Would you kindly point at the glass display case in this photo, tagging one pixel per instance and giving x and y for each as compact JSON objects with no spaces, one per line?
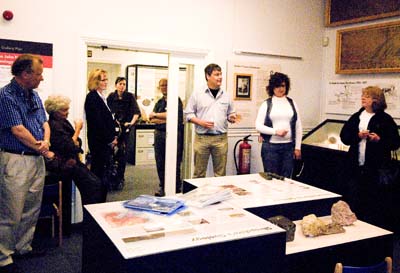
{"x":326,"y":135}
{"x":324,"y":157}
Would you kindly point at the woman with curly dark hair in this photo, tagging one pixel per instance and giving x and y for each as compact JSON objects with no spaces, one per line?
{"x":279,"y":123}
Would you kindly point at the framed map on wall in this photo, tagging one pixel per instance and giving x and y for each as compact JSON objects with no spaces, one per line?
{"x":340,"y":12}
{"x":368,"y":49}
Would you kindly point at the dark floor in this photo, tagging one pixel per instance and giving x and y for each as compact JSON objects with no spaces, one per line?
{"x":67,"y":258}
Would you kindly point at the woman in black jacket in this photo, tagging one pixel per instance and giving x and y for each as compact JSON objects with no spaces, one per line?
{"x":126,"y":112}
{"x":372,"y":134}
{"x":101,"y":134}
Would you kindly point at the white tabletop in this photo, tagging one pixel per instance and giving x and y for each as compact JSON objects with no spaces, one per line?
{"x":252,"y":190}
{"x":359,"y":230}
{"x":136,"y":233}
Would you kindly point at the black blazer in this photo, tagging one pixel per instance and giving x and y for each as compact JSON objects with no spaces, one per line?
{"x":100,"y":122}
{"x":375,"y":152}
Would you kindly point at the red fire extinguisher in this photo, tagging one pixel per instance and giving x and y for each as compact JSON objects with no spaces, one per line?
{"x":244,"y":155}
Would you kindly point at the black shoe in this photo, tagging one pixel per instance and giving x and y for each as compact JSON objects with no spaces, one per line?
{"x":160,"y":193}
{"x":34,"y":253}
{"x":10,"y":268}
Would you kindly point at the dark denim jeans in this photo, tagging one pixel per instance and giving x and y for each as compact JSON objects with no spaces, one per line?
{"x":278,"y":158}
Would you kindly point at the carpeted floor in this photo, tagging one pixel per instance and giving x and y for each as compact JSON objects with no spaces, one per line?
{"x":67,"y":258}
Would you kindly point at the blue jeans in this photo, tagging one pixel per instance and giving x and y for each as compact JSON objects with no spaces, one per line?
{"x":278,"y":158}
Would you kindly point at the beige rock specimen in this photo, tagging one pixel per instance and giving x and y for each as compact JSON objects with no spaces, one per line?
{"x":342,"y":214}
{"x":313,"y":226}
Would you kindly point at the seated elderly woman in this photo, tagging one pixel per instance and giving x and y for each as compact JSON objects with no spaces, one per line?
{"x":65,"y":143}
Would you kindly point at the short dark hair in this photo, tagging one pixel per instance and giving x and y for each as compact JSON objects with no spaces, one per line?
{"x":210,"y":68}
{"x":24,"y":63}
{"x":276,"y":79}
{"x":119,"y":79}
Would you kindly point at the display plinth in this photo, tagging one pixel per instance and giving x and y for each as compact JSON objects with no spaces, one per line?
{"x":268,"y":198}
{"x":219,"y":238}
{"x":362,"y":244}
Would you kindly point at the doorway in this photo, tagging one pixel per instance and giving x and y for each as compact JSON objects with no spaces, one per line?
{"x":191,"y":62}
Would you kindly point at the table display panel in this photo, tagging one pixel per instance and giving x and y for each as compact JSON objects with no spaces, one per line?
{"x":267,"y":198}
{"x":361,"y":244}
{"x":143,"y":238}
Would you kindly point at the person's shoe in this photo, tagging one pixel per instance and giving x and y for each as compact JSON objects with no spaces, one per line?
{"x":34,"y":253}
{"x":10,"y":268}
{"x":160,"y":193}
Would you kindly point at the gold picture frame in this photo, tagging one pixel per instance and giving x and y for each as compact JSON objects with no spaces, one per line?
{"x":368,"y":49}
{"x":242,"y":86}
{"x":341,"y":12}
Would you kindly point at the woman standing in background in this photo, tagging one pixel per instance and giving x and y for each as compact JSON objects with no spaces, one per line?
{"x":126,"y":112}
{"x":279,"y":123}
{"x":101,"y":134}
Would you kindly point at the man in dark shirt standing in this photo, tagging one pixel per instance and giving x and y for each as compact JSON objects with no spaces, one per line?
{"x":159,"y":117}
{"x":24,"y":140}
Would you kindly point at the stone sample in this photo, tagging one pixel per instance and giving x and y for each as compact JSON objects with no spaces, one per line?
{"x":313,"y":226}
{"x":342,"y":214}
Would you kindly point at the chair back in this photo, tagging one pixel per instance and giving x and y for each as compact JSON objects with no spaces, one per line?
{"x":52,"y":205}
{"x":382,"y":267}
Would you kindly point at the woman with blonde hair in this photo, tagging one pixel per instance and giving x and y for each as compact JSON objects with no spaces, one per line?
{"x":372,"y":134}
{"x":101,"y":133}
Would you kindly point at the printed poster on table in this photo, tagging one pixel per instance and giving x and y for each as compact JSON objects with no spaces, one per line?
{"x":344,"y":97}
{"x":11,"y":49}
{"x":247,"y":82}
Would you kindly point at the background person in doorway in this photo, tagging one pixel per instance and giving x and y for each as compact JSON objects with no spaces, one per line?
{"x":279,"y":123}
{"x":159,"y":117}
{"x":126,"y":112}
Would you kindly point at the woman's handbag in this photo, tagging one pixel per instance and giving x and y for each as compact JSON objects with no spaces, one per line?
{"x":389,"y":173}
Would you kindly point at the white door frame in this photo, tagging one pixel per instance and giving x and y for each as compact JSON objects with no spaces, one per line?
{"x":177,"y":55}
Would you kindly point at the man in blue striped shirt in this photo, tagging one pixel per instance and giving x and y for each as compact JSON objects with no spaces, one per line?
{"x":24,"y":141}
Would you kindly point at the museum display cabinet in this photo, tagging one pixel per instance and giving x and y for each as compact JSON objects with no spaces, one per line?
{"x":324,"y":157}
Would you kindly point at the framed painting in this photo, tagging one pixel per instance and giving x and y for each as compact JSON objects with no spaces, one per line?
{"x":242,"y":86}
{"x":368,"y":49}
{"x":340,"y":12}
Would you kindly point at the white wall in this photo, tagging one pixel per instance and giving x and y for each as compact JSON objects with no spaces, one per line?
{"x":288,"y":27}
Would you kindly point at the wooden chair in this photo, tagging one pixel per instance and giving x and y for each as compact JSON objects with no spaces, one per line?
{"x":52,"y":207}
{"x":382,"y":267}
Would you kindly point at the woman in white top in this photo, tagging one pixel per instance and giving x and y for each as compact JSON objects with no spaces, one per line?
{"x":279,"y":123}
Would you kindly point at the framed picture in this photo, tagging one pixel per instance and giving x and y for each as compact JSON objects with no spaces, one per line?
{"x":368,"y":49}
{"x":242,"y":86}
{"x":340,"y":12}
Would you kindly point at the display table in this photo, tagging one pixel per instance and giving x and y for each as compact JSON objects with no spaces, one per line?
{"x":362,"y":244}
{"x":267,"y":198}
{"x":218,"y":238}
